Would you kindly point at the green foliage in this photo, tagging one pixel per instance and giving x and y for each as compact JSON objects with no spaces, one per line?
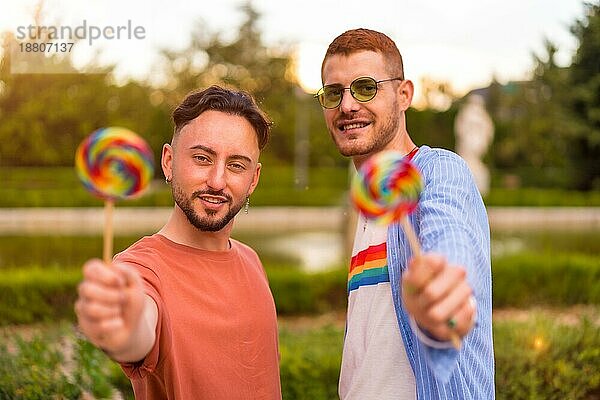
{"x":34,"y":372}
{"x":54,"y":252}
{"x":310,"y":363}
{"x":33,"y":295}
{"x":433,"y":128}
{"x":538,"y":197}
{"x":60,"y":187}
{"x":546,"y":243}
{"x":95,"y":373}
{"x":540,"y":359}
{"x":548,"y":129}
{"x":297,"y":292}
{"x":43,"y":122}
{"x":245,"y":62}
{"x":526,"y":279}
{"x":37,"y":368}
{"x":327,"y":186}
{"x":584,"y":101}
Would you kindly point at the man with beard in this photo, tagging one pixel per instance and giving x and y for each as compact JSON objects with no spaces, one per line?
{"x":404,"y":311}
{"x":188,"y":312}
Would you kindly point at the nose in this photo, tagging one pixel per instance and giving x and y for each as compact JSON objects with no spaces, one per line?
{"x":216,"y":177}
{"x":348,"y":103}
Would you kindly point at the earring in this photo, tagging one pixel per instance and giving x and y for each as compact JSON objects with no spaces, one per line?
{"x":247,"y":205}
{"x":168,"y":179}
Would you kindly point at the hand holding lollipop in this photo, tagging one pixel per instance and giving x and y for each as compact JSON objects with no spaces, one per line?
{"x":386,"y":189}
{"x":114,"y":163}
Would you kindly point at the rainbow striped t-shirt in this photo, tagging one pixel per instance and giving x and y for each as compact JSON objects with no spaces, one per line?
{"x":374,"y":361}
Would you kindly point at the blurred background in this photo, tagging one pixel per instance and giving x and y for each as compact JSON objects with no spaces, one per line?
{"x":514,"y":87}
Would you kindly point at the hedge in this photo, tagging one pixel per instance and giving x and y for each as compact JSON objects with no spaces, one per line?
{"x":59,"y":187}
{"x":521,"y":280}
{"x":528,"y":279}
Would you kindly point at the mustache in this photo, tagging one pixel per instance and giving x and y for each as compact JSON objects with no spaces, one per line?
{"x":210,"y":192}
{"x":343,"y":117}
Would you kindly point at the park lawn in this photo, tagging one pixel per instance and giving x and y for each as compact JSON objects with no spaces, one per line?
{"x":541,"y":353}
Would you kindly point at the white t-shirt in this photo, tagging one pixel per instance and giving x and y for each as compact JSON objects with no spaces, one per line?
{"x":374,"y":361}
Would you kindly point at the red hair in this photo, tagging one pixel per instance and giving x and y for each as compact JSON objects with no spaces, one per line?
{"x":361,"y":39}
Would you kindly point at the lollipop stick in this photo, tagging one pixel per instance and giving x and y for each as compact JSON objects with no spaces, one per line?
{"x":416,"y":249}
{"x":412,"y":237}
{"x":108,"y":231}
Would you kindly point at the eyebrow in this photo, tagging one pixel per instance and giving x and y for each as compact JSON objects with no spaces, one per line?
{"x":214,"y":153}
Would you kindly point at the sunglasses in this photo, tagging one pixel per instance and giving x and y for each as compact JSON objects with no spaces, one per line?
{"x":362,"y":89}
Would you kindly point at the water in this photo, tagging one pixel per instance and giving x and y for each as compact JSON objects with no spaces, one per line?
{"x":310,"y":250}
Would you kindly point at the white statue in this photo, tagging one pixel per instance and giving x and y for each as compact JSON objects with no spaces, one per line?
{"x":474,"y":131}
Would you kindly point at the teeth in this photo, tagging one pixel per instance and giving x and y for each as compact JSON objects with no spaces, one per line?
{"x":354,"y":126}
{"x":213,"y":201}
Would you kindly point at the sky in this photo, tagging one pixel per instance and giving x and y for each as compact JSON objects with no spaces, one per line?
{"x":463,"y":42}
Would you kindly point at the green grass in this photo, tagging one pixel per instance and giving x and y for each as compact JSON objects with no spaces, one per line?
{"x":540,"y":357}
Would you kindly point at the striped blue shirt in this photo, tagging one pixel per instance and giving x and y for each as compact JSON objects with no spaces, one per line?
{"x":451,"y":220}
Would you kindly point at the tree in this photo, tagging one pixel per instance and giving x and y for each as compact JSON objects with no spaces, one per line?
{"x":584,"y":102}
{"x":245,"y":62}
{"x":46,"y":115}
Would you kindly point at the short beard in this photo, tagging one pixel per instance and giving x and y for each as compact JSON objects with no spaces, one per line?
{"x":206,"y":224}
{"x":380,"y":139}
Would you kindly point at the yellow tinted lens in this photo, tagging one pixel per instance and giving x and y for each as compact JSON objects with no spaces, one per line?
{"x":364,"y":89}
{"x":331,"y":96}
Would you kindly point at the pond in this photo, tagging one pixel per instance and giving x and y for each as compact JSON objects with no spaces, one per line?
{"x":311,"y":250}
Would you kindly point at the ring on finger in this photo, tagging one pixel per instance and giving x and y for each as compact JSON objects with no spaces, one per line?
{"x":451,"y":323}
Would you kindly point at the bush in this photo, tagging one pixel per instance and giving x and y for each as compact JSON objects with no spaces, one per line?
{"x":34,"y":295}
{"x":540,"y":359}
{"x":310,"y":363}
{"x":537,"y":197}
{"x":535,"y":359}
{"x":527,"y":279}
{"x":34,"y":372}
{"x":520,"y":280}
{"x":60,"y":187}
{"x":297,"y":292}
{"x":37,"y":369}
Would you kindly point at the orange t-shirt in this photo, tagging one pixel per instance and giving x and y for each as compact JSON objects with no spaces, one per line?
{"x":217,"y":326}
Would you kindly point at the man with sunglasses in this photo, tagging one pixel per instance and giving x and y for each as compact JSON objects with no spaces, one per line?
{"x":403,"y":311}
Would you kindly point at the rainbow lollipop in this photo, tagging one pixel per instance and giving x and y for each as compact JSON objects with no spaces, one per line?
{"x":387,"y":187}
{"x":114,"y":163}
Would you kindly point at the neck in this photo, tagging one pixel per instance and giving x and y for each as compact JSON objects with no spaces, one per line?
{"x":179,"y":230}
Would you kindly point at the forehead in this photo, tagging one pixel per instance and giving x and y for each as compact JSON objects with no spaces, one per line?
{"x":344,"y":69}
{"x":222,"y":132}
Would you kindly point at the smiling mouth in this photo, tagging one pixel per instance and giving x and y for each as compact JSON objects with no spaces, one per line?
{"x":355,"y":125}
{"x":213,"y":199}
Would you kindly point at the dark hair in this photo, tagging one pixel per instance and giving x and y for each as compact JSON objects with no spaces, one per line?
{"x":361,"y":39}
{"x":229,"y":101}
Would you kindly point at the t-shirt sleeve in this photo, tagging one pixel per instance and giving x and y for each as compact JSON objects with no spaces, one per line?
{"x":151,"y":282}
